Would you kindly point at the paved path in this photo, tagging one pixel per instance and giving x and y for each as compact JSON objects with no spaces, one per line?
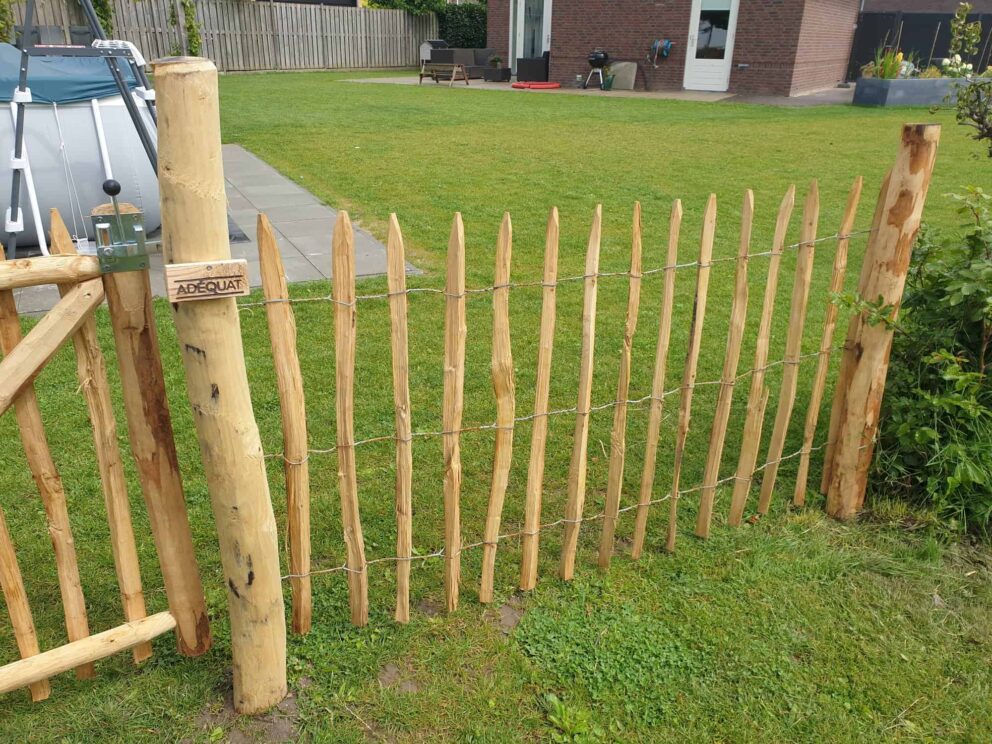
{"x":827,"y":97}
{"x":302,"y":223}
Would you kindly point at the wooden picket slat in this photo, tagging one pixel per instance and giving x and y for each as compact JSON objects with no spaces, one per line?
{"x":691,"y":363}
{"x":759,"y":394}
{"x":46,"y":476}
{"x":455,"y":331}
{"x":92,"y":372}
{"x":728,"y":378}
{"x":618,"y":437}
{"x":18,"y":609}
{"x":27,"y":355}
{"x":793,"y":345}
{"x":530,"y":540}
{"x":657,"y":406}
{"x":577,"y":468}
{"x":293,"y":414}
{"x":396,"y":277}
{"x":826,"y":342}
{"x":503,"y":387}
{"x":343,"y":281}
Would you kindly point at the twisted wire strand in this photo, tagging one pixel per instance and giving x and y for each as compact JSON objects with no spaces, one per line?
{"x":557,"y":523}
{"x":538,"y":283}
{"x":636,"y":402}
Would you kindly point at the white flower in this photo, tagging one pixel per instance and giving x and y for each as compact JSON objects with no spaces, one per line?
{"x":969,"y":66}
{"x":945,"y":62}
{"x":957,"y":59}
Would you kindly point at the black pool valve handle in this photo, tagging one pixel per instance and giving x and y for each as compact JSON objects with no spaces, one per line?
{"x":111,"y":187}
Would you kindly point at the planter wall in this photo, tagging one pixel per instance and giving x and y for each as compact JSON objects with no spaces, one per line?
{"x":909,"y":92}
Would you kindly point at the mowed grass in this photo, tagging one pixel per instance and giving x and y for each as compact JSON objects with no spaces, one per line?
{"x":794,"y":628}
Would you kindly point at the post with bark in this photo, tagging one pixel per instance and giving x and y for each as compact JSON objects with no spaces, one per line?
{"x":858,"y":400}
{"x":194,"y":229}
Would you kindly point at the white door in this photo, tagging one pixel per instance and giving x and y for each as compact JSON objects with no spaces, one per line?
{"x":712,"y":26}
{"x":530,"y":29}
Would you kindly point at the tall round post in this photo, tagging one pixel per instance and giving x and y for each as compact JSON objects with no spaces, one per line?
{"x":858,"y":399}
{"x":194,"y":231}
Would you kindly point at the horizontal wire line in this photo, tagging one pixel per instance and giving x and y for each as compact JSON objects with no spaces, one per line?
{"x":523,"y":285}
{"x":548,"y":414}
{"x":549,"y":525}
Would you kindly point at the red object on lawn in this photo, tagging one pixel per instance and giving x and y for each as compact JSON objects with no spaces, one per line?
{"x":536,"y":86}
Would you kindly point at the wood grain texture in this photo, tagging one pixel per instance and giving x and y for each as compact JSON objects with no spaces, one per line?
{"x":530,"y":540}
{"x":345,"y":319}
{"x":293,"y":415}
{"x":657,"y":406}
{"x":691,"y":363}
{"x":194,"y":228}
{"x":31,"y":272}
{"x":793,"y":345}
{"x":505,"y":392}
{"x":153,"y":447}
{"x":826,"y":342}
{"x":455,"y":331}
{"x":18,"y":608}
{"x":83,"y":652}
{"x":396,"y":278}
{"x":848,"y":357}
{"x":728,"y":377}
{"x":46,"y":477}
{"x":618,"y":435}
{"x":886,"y":265}
{"x":24,"y":360}
{"x":207,"y":280}
{"x":91,"y":369}
{"x":758,"y":395}
{"x":577,"y":468}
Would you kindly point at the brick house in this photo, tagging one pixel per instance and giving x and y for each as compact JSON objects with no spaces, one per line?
{"x":778,"y":47}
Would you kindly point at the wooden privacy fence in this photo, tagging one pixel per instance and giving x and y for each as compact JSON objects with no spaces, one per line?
{"x":251,"y":35}
{"x":209,"y":335}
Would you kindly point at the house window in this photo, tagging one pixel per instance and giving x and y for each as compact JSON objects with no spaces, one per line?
{"x":714,"y":25}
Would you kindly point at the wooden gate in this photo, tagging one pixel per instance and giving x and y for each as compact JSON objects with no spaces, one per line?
{"x":128,"y":296}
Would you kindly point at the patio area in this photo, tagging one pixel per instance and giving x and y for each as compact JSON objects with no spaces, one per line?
{"x":827,"y":97}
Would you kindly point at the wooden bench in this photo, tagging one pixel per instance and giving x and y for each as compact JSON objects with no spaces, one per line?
{"x":435,"y":70}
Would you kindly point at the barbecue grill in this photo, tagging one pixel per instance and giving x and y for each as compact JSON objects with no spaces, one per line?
{"x":598,"y":59}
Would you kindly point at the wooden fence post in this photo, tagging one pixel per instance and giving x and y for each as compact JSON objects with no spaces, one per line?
{"x":859,"y":401}
{"x":92,"y":371}
{"x":345,"y":316}
{"x":618,"y":438}
{"x":505,"y":391}
{"x":658,"y":382}
{"x":530,"y":541}
{"x":399,"y":341}
{"x":455,"y":331}
{"x":293,"y":413}
{"x":194,"y":228}
{"x":580,"y":442}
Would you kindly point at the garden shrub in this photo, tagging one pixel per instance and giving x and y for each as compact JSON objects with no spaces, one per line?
{"x":935,"y":437}
{"x":463,"y":26}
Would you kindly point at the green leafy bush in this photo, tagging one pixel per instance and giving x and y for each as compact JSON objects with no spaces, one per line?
{"x":935,"y":439}
{"x":417,"y":7}
{"x":463,"y":26}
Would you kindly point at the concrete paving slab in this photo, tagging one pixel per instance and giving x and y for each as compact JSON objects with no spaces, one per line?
{"x":302,"y":223}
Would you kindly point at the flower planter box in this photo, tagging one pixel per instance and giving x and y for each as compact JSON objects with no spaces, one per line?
{"x":496,"y":75}
{"x":907,"y":92}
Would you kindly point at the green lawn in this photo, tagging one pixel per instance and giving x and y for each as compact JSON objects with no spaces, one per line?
{"x":796,"y":628}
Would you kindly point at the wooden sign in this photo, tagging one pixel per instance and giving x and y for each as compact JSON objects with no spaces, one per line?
{"x":206,"y":280}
